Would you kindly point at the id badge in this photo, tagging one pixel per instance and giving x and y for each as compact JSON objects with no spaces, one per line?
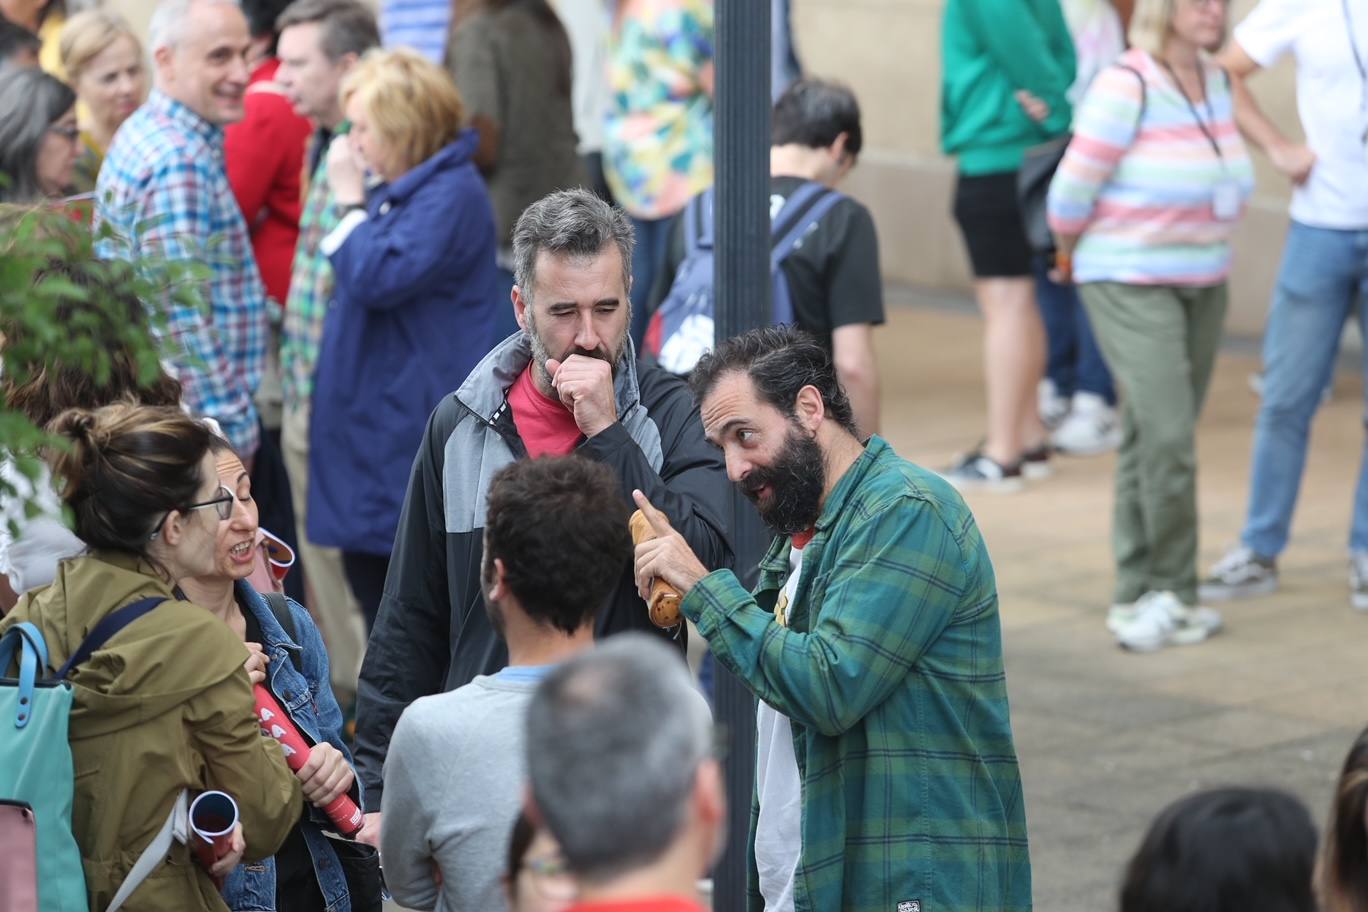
{"x":1225,"y":200}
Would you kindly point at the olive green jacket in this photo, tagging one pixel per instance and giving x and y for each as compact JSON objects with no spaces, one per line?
{"x":165,"y":705}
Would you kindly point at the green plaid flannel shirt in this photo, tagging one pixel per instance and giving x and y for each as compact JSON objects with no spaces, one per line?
{"x":311,"y":287}
{"x":891,"y":673}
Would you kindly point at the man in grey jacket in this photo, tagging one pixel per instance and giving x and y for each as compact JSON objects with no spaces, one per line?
{"x":569,"y":383}
{"x":556,"y":541}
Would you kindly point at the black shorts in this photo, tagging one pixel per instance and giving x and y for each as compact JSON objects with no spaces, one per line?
{"x":989,"y":217}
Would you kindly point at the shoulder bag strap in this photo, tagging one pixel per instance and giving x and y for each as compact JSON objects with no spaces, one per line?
{"x":281,"y":609}
{"x":110,"y":625}
{"x":175,"y":829}
{"x":33,"y":657}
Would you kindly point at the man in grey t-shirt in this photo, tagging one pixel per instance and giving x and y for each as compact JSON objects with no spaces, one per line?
{"x":556,"y":540}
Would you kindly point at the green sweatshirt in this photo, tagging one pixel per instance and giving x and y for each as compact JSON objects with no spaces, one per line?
{"x":990,"y":49}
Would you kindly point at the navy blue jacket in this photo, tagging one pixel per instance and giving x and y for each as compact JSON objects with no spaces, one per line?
{"x":412,"y":313}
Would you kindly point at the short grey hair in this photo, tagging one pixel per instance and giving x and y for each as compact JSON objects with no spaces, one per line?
{"x":569,"y":223}
{"x":167,"y":26}
{"x":614,"y":737}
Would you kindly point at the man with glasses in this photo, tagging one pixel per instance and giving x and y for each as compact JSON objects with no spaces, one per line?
{"x":1324,"y":272}
{"x":623,"y":774}
{"x":555,"y":542}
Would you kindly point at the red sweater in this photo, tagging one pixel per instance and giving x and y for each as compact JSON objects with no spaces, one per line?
{"x":264,"y":157}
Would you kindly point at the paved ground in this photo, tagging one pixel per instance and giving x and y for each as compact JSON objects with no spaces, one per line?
{"x":1106,"y":739}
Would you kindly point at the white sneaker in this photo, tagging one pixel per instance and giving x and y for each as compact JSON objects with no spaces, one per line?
{"x":1091,"y":428}
{"x":1240,"y":574}
{"x":1161,"y":620}
{"x":1122,"y":614}
{"x":1358,"y":580}
{"x":1054,"y":408}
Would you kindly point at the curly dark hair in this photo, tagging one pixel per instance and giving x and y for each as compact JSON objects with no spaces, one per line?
{"x":559,"y":524}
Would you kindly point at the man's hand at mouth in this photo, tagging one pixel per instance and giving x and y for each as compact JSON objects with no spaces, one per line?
{"x":585,"y":387}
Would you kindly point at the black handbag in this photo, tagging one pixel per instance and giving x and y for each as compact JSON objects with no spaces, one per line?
{"x":1033,"y":191}
{"x":361,"y":866}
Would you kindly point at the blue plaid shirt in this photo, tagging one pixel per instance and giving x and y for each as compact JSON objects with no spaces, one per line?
{"x":163,"y":190}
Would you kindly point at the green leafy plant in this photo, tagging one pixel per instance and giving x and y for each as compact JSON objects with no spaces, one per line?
{"x":49,"y":320}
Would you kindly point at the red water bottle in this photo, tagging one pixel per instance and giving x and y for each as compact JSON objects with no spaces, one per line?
{"x":342,"y":811}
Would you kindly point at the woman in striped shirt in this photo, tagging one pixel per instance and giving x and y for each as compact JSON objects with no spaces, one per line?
{"x":1143,"y":207}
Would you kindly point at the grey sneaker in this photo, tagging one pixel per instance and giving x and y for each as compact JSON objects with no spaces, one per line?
{"x":1161,"y":620}
{"x":1358,"y":580}
{"x":1239,"y":574}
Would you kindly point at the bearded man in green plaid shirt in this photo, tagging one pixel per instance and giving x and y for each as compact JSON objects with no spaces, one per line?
{"x":886,"y":776}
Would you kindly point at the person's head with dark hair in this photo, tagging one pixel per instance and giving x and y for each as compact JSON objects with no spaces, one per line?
{"x":555,"y":541}
{"x":621,"y":769}
{"x":320,"y":42}
{"x":816,"y":132}
{"x":1344,"y":861}
{"x":536,"y":879}
{"x":261,"y":24}
{"x":19,"y":47}
{"x":39,"y":139}
{"x":572,"y":256}
{"x":1225,"y":850}
{"x":771,"y":400}
{"x":110,"y":325}
{"x":140,"y":480}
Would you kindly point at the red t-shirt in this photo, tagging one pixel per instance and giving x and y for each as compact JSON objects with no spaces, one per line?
{"x":264,"y":160}
{"x":544,"y":424}
{"x":651,"y":904}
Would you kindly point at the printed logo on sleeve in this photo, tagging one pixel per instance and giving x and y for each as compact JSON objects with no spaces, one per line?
{"x":910,"y":905}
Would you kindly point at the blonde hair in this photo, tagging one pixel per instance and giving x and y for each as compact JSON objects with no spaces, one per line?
{"x":1152,"y":23}
{"x":86,"y":35}
{"x":411,"y":102}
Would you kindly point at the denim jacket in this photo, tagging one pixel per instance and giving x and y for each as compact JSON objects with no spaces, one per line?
{"x":309,"y":701}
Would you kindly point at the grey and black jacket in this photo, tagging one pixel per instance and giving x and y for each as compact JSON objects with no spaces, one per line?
{"x":432,"y":633}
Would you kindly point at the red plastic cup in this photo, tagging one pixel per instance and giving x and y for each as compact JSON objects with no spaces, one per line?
{"x":213,"y":816}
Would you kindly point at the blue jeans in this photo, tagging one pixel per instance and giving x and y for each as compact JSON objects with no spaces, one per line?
{"x":652,"y":242}
{"x":1322,"y":281}
{"x":1075,"y":363}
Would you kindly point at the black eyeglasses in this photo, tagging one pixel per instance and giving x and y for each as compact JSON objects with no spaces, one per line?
{"x":69,"y":132}
{"x":223,"y":504}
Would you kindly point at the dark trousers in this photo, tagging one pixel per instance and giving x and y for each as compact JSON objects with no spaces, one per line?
{"x":366,"y":575}
{"x":1075,"y":362}
{"x":275,"y":506}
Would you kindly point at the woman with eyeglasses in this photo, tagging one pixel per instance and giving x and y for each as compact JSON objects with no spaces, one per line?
{"x":165,"y":706}
{"x":39,"y":139}
{"x":310,"y":872}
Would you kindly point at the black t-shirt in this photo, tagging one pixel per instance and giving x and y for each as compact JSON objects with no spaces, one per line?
{"x":296,"y":883}
{"x":833,"y":274}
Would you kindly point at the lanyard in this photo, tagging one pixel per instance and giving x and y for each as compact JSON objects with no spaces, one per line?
{"x":1211,"y":115}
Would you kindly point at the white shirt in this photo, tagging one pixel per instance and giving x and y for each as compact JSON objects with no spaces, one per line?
{"x":778,"y":832}
{"x":30,"y":560}
{"x":1331,"y":99}
{"x":588,"y":24}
